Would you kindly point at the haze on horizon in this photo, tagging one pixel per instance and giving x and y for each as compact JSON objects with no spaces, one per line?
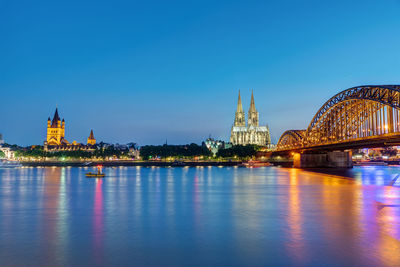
{"x":147,"y":71}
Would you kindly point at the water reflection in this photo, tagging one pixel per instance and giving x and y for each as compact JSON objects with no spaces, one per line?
{"x":199,"y":216}
{"x":51,"y":215}
{"x":62,"y":216}
{"x":353,"y":216}
{"x":98,"y":227}
{"x":297,"y":243}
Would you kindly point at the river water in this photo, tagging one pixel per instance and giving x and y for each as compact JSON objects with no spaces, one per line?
{"x":204,"y":216}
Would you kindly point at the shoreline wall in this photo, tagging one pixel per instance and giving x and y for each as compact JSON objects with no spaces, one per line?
{"x":129,"y":163}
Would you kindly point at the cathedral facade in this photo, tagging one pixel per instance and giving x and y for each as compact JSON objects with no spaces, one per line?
{"x":251,"y":133}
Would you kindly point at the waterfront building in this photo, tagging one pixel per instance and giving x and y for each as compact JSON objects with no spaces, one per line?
{"x":251,"y":133}
{"x":55,"y":140}
{"x":8,"y":153}
{"x":56,"y":131}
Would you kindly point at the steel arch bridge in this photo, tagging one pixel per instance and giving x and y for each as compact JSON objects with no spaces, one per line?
{"x":362,"y":116}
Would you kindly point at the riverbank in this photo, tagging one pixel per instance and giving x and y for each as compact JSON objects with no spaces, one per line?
{"x":117,"y":163}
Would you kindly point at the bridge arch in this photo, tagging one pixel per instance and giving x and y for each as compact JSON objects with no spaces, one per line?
{"x":357,"y":112}
{"x":291,"y":138}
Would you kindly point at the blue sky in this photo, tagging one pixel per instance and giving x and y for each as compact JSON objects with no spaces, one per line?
{"x":147,"y":71}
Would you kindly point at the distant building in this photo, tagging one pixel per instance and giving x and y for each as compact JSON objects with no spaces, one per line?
{"x":134,"y":152}
{"x":214,"y":145}
{"x":91,"y":140}
{"x":9,"y":154}
{"x":55,"y":140}
{"x":1,"y":139}
{"x":252,"y":133}
{"x":121,"y":147}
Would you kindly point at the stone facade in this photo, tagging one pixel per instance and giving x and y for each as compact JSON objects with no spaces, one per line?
{"x":56,"y":131}
{"x":55,"y":140}
{"x":252,"y":133}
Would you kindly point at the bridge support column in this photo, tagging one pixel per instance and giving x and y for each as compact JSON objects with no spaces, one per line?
{"x":334,"y":159}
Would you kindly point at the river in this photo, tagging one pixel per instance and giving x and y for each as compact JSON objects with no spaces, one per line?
{"x":200,"y":216}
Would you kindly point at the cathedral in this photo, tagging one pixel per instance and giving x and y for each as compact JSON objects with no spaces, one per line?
{"x":252,"y":133}
{"x":56,"y":136}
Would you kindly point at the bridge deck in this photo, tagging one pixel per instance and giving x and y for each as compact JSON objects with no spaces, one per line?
{"x":392,"y":139}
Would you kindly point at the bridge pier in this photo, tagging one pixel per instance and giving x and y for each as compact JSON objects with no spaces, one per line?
{"x":334,"y":159}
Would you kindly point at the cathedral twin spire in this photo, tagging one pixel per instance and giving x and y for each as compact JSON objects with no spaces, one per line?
{"x":239,"y":115}
{"x":252,"y":119}
{"x":252,"y":133}
{"x":252,"y":105}
{"x":239,"y":105}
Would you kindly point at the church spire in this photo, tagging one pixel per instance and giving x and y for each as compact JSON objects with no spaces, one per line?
{"x":56,"y":119}
{"x":252,"y":119}
{"x":239,"y":115}
{"x":91,"y":140}
{"x":239,"y":104}
{"x":252,"y":105}
{"x":91,"y":136}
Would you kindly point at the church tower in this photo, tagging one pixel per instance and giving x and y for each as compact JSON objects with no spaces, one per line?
{"x":91,"y":140}
{"x":252,"y":119}
{"x":239,"y":115}
{"x":55,"y":130}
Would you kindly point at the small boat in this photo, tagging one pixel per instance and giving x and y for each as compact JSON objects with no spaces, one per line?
{"x":94,"y":174}
{"x":97,"y":174}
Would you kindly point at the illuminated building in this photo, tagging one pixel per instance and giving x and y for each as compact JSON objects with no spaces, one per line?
{"x":8,"y":153}
{"x":55,"y":140}
{"x":91,"y":140}
{"x":56,"y":131}
{"x":213,"y":145}
{"x":252,"y":133}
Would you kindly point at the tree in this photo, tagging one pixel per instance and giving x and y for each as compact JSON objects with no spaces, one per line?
{"x":2,"y":155}
{"x":238,"y":151}
{"x":179,"y":151}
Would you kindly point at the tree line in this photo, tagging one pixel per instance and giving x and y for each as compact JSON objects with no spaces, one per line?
{"x":194,"y":150}
{"x":176,"y":151}
{"x":147,"y":152}
{"x":39,"y":152}
{"x":239,"y":151}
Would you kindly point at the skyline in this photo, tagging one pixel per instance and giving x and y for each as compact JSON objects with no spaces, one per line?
{"x":149,"y":72}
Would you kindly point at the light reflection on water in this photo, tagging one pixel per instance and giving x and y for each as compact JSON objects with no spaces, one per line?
{"x":199,"y":216}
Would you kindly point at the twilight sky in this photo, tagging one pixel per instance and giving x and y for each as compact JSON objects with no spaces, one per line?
{"x":147,"y":71}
